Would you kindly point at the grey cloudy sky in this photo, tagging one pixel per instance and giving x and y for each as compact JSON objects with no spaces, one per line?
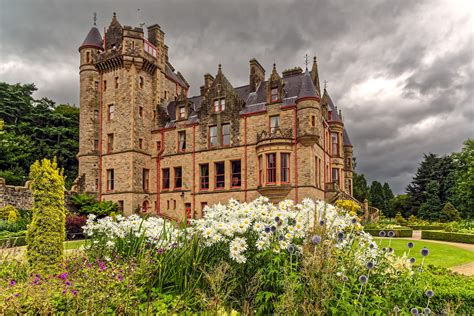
{"x":401,"y":71}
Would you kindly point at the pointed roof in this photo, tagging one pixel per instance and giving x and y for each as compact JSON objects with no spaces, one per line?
{"x":315,"y":75}
{"x":345,"y":138}
{"x":334,"y":114}
{"x":307,"y":87}
{"x":93,"y":39}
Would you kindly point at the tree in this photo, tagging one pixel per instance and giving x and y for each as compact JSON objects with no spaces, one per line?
{"x":360,"y":189}
{"x":376,"y":195}
{"x":400,"y":204}
{"x":431,"y":207}
{"x":449,"y":213}
{"x":46,"y":234}
{"x":463,"y":193}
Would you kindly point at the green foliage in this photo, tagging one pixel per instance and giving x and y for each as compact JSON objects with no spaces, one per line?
{"x":360,"y":189}
{"x":33,"y":129}
{"x":463,"y":196}
{"x":7,"y":210}
{"x":12,"y":239}
{"x":376,"y":195}
{"x":400,"y":203}
{"x":87,"y":204}
{"x":466,"y":226}
{"x":431,"y":206}
{"x":47,"y":230}
{"x":449,"y":213}
{"x":448,"y":236}
{"x":400,"y":219}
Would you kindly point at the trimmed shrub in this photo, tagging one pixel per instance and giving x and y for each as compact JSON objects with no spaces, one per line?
{"x":400,"y":219}
{"x":74,"y":225}
{"x":449,"y":213}
{"x":406,"y":232}
{"x":45,"y":235}
{"x":448,"y":236}
{"x":9,"y":239}
{"x":9,"y":212}
{"x":426,"y":227}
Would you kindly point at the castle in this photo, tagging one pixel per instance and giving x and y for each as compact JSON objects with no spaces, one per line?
{"x":147,"y":145}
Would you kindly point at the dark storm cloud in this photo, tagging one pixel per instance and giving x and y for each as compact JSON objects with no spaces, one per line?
{"x":401,"y":71}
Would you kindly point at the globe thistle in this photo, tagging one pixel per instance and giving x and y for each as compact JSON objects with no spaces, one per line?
{"x":427,"y":311}
{"x":425,"y":252}
{"x":371,"y":246}
{"x":273,"y":228}
{"x":291,"y":248}
{"x":340,"y":235}
{"x":412,"y":260}
{"x":414,"y":311}
{"x":322,"y":222}
{"x":281,"y":237}
{"x":429,"y":293}
{"x":267,"y":229}
{"x":354,"y":220}
{"x":363,"y":279}
{"x":410,"y":245}
{"x":396,"y":309}
{"x":382,"y":233}
{"x":390,"y":250}
{"x":391,"y":234}
{"x":370,"y":265}
{"x":384,"y":249}
{"x":277,"y":219}
{"x":316,"y":239}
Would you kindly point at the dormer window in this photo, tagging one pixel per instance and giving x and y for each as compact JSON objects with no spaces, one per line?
{"x":274,"y":94}
{"x":219,"y":105}
{"x":182,"y":112}
{"x":274,"y":123}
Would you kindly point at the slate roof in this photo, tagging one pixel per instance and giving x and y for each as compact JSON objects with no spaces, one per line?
{"x":345,"y":138}
{"x":307,"y":87}
{"x":169,"y":71}
{"x":334,"y":114}
{"x":93,"y":39}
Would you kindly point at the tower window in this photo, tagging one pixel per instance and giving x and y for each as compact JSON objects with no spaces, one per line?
{"x":313,"y":121}
{"x":335,"y":144}
{"x":236,"y":174}
{"x":182,"y":141}
{"x":88,"y":57}
{"x":166,"y":179}
{"x":116,"y":82}
{"x":274,"y":94}
{"x":285,"y":168}
{"x":141,"y":82}
{"x":220,"y":175}
{"x":212,"y":136}
{"x":204,"y":176}
{"x":274,"y":123}
{"x":110,"y":143}
{"x":140,"y":111}
{"x":225,"y":134}
{"x":105,"y":85}
{"x":271,"y":168}
{"x":110,"y":179}
{"x":96,"y":144}
{"x":146,"y":179}
{"x":140,"y":143}
{"x":110,"y":112}
{"x":178,"y":177}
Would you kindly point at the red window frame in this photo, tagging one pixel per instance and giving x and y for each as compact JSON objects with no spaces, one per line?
{"x":165,"y":182}
{"x":110,"y":180}
{"x":146,"y":180}
{"x":219,"y":177}
{"x":236,"y":175}
{"x":179,"y":141}
{"x":211,"y":137}
{"x":203,"y":178}
{"x":110,"y":143}
{"x":334,"y":144}
{"x":110,"y":112}
{"x":223,"y":134}
{"x":274,"y":128}
{"x":219,"y":105}
{"x":260,"y":171}
{"x":178,"y":176}
{"x":274,"y":96}
{"x":182,"y":112}
{"x":285,"y":169}
{"x":271,"y":169}
{"x":158,"y":146}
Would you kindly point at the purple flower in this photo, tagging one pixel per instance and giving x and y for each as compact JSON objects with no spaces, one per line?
{"x":74,"y":292}
{"x":120,"y":278}
{"x":316,"y":239}
{"x":277,"y":219}
{"x":414,"y":311}
{"x":384,"y":249}
{"x":67,"y":283}
{"x":340,"y":235}
{"x":63,"y":275}
{"x":273,"y":228}
{"x":354,"y":220}
{"x":410,"y":245}
{"x":370,"y":265}
{"x":281,"y":237}
{"x":63,"y":292}
{"x":412,"y":260}
{"x":429,"y":293}
{"x":391,"y":234}
{"x":267,"y":229}
{"x":291,"y":248}
{"x":363,"y":279}
{"x":427,"y":311}
{"x":382,"y":233}
{"x":160,"y":251}
{"x":17,"y":294}
{"x":371,"y":246}
{"x":425,"y":252}
{"x":390,"y":249}
{"x":322,"y":222}
{"x":12,"y":282}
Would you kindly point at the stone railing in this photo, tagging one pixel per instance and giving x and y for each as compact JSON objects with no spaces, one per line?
{"x":277,"y":133}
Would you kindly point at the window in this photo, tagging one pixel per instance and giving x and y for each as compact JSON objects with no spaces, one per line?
{"x":220,"y":175}
{"x":285,"y":167}
{"x":212,"y":136}
{"x":140,"y":111}
{"x":168,"y":204}
{"x":96,"y":85}
{"x":271,"y":168}
{"x":166,"y":179}
{"x":260,"y":171}
{"x":96,"y":145}
{"x":274,"y":94}
{"x":96,"y":115}
{"x":110,"y":179}
{"x":182,"y":141}
{"x":203,"y":206}
{"x":178,"y":177}
{"x":154,"y":114}
{"x":88,"y":57}
{"x":182,"y":112}
{"x":204,"y":177}
{"x":146,"y":179}
{"x":158,"y":146}
{"x":110,"y":112}
{"x":96,"y":184}
{"x":236,"y":174}
{"x":313,"y":121}
{"x":274,"y":123}
{"x":120,"y":203}
{"x":166,"y":94}
{"x":174,"y":204}
{"x":141,"y":82}
{"x":225,"y":134}
{"x":105,"y":85}
{"x":335,"y":144}
{"x":335,"y":175}
{"x":116,"y":82}
{"x":140,"y":143}
{"x":317,"y":171}
{"x":110,"y":143}
{"x":219,"y":105}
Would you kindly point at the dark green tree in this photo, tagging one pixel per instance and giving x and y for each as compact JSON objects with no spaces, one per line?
{"x":360,"y":189}
{"x":431,"y":207}
{"x":449,"y":213}
{"x":401,"y":203}
{"x":463,"y":192}
{"x":376,"y":196}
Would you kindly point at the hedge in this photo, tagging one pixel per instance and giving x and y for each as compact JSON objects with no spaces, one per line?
{"x":447,"y":236}
{"x":426,"y":227}
{"x":398,"y":232}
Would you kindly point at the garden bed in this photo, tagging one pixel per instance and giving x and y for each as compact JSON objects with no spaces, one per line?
{"x":426,"y":227}
{"x":448,"y":236}
{"x":398,"y":232}
{"x":12,"y":240}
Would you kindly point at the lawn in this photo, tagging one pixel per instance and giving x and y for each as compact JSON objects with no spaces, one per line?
{"x":73,"y":244}
{"x":440,"y":255}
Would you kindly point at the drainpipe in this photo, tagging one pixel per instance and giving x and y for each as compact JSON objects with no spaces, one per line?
{"x":296,"y":155}
{"x":245,"y":156}
{"x":194,"y":170}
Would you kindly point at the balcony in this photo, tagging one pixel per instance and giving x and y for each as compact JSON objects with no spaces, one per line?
{"x":279,"y":137}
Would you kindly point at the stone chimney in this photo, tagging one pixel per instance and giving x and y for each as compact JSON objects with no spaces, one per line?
{"x":257,"y":74}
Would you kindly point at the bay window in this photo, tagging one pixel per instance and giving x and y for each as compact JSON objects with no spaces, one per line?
{"x":204,"y":177}
{"x":271,"y":168}
{"x":285,"y":168}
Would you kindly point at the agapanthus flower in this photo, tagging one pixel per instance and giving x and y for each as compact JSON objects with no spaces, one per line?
{"x":429,"y":293}
{"x":425,"y":252}
{"x":363,"y":279}
{"x":410,"y":245}
{"x":382,"y":233}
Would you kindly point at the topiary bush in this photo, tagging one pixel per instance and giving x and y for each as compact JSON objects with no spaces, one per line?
{"x":448,"y":236}
{"x":45,"y":235}
{"x":9,"y":212}
{"x":449,"y":213}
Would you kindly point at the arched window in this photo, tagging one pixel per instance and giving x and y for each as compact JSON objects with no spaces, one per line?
{"x":88,"y":57}
{"x":145,"y":206}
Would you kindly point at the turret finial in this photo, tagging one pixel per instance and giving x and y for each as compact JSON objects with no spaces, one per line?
{"x":325,"y":84}
{"x":95,"y":18}
{"x":306,"y":61}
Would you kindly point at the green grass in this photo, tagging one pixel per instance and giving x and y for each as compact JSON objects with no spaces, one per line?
{"x":73,"y":244}
{"x":440,"y":255}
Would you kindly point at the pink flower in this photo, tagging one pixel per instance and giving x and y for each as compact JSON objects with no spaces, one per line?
{"x":12,"y":282}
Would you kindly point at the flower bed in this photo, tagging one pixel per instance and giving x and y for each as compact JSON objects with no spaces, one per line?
{"x":12,"y":239}
{"x":398,"y":232}
{"x":448,"y":236}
